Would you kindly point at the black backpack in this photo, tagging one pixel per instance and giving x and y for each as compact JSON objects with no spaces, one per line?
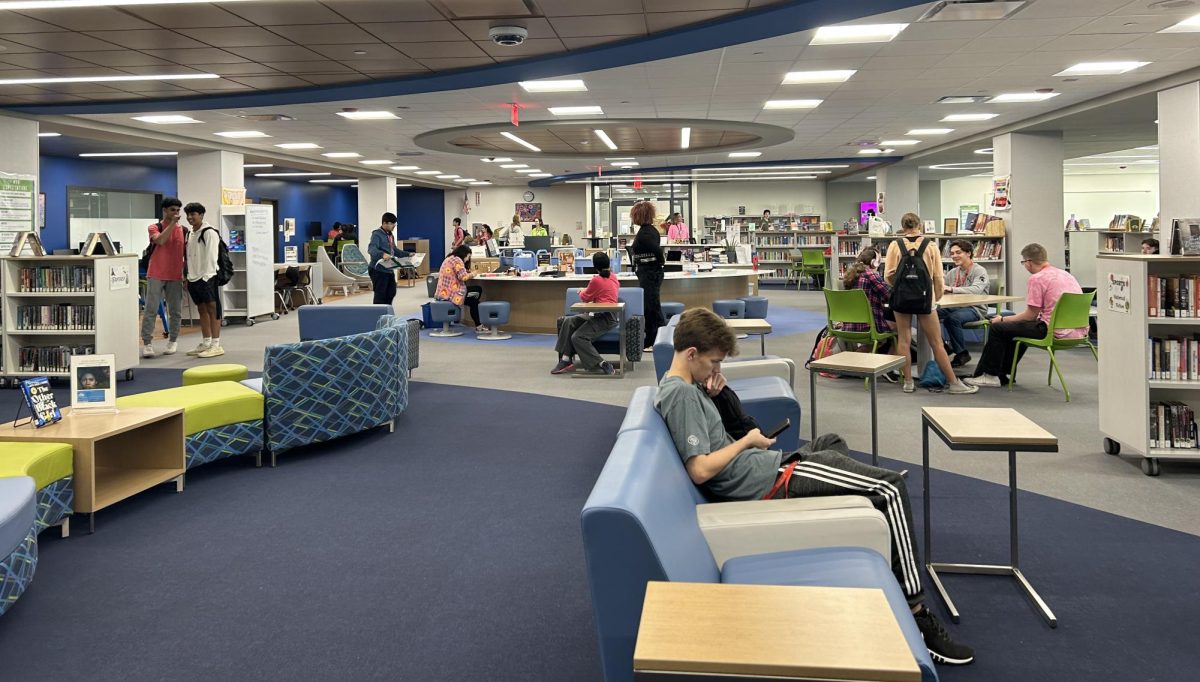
{"x":144,"y":261}
{"x":224,"y":262}
{"x":911,"y":292}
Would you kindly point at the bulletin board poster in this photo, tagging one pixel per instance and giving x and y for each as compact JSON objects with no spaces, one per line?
{"x":529,"y":213}
{"x":963,"y":211}
{"x":18,"y":208}
{"x":1001,"y":199}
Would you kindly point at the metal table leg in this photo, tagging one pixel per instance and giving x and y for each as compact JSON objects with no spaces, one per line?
{"x":812,"y":403}
{"x":874,"y":425}
{"x":762,"y":339}
{"x":929,"y":565}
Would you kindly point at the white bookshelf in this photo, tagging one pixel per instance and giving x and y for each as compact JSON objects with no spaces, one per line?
{"x":114,"y":311}
{"x":774,"y":247}
{"x":251,"y":292}
{"x":1083,"y":247}
{"x":844,"y":250}
{"x":1126,"y":389}
{"x":997,"y":267}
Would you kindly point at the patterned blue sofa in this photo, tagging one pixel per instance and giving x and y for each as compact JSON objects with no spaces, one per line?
{"x":322,"y":389}
{"x":328,"y":321}
{"x":18,"y":538}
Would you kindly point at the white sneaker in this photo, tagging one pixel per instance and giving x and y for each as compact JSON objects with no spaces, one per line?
{"x":909,"y":386}
{"x":199,"y":348}
{"x":147,"y":351}
{"x":172,"y":347}
{"x":962,"y":388}
{"x":983,"y":380}
{"x":211,"y":352}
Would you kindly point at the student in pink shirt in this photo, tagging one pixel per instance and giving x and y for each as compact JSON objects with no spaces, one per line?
{"x":1046,"y":284}
{"x":677,"y":230}
{"x":579,"y":332}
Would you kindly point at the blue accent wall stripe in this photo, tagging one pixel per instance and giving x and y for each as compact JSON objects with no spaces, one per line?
{"x":421,"y":214}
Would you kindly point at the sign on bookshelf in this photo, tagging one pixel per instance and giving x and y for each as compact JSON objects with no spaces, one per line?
{"x":93,"y":383}
{"x":1118,"y":293}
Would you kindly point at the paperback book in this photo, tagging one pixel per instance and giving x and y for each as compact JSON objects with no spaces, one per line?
{"x":40,"y":400}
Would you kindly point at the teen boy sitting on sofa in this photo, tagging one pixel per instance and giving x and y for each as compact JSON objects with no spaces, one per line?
{"x":746,"y":469}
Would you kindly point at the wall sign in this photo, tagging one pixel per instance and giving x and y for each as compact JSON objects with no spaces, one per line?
{"x":1118,"y":293}
{"x":17,"y":207}
{"x":233,"y":197}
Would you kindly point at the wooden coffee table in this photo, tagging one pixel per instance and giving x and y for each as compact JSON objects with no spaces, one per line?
{"x":750,"y":327}
{"x":116,"y":455}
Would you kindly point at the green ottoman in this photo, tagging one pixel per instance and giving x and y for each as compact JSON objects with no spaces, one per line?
{"x":207,"y":374}
{"x":52,"y":467}
{"x":220,"y":419}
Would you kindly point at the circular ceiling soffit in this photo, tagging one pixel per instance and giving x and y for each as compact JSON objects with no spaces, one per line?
{"x":577,"y":139}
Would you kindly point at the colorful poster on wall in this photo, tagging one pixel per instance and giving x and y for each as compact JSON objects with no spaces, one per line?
{"x":17,"y":208}
{"x":233,"y":197}
{"x":1001,"y":200}
{"x":529,"y":213}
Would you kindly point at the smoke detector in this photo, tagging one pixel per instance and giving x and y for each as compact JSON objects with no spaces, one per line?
{"x":508,"y":36}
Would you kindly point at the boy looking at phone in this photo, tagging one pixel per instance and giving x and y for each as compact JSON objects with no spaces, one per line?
{"x":747,"y":468}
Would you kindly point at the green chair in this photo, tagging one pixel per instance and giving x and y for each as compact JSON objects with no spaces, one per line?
{"x":812,"y":262}
{"x":852,"y":307}
{"x":1071,"y":312}
{"x":995,"y":288}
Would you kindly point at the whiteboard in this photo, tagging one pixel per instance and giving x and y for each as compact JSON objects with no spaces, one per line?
{"x":260,"y":260}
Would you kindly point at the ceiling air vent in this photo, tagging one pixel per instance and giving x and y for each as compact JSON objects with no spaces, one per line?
{"x":266,"y":117}
{"x":972,"y":10}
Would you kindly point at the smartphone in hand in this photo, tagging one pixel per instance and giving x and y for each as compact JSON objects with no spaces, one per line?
{"x":779,"y":428}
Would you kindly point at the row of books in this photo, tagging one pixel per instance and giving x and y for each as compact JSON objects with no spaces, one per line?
{"x":789,"y":240}
{"x":1114,"y":243}
{"x":850,"y":248}
{"x":1127,"y":222}
{"x":1172,"y":425}
{"x":1173,"y":296}
{"x":49,"y":358}
{"x":985,"y":249}
{"x":60,"y":316}
{"x":69,"y":278}
{"x":1174,"y":358}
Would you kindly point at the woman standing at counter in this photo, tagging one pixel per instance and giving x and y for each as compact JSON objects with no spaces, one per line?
{"x":677,"y":230}
{"x":648,"y":262}
{"x":452,"y":284}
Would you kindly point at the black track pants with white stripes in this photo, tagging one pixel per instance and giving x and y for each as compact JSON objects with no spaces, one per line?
{"x":824,"y":469}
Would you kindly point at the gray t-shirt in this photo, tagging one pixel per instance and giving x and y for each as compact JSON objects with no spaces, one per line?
{"x":695,"y":426}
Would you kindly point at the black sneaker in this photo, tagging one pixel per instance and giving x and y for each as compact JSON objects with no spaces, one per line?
{"x":892,"y":377}
{"x":961,"y":359}
{"x":607,"y":368}
{"x":563,"y":366}
{"x":941,"y":648}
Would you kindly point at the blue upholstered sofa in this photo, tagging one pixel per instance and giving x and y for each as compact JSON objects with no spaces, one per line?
{"x":328,"y":321}
{"x":643,"y":521}
{"x":635,"y":323}
{"x":18,"y":537}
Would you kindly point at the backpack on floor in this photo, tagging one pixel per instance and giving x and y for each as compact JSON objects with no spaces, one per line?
{"x":224,"y":262}
{"x":911,"y":293}
{"x":932,"y":376}
{"x":825,"y":345}
{"x":427,"y":315}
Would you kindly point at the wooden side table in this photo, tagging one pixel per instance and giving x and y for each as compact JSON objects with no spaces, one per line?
{"x":116,"y":455}
{"x":991,"y":429}
{"x":752,"y":326}
{"x":619,"y":309}
{"x":869,"y":365}
{"x":702,"y":631}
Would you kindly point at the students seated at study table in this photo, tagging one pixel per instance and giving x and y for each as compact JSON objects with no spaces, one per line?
{"x":967,"y":277}
{"x":578,"y":333}
{"x":689,"y":397}
{"x":452,"y":284}
{"x":864,"y":274}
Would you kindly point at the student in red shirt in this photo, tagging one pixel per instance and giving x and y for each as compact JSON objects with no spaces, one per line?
{"x":164,"y":275}
{"x":579,"y":332}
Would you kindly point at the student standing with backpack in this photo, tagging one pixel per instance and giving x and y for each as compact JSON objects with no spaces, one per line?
{"x":164,"y":276}
{"x":203,"y":252}
{"x":914,"y":269}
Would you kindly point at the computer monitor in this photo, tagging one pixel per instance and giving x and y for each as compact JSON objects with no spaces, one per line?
{"x":674,"y":255}
{"x":536,"y":244}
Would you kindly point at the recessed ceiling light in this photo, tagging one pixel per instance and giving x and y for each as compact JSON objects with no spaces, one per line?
{"x":49,"y":134}
{"x":242,"y":134}
{"x":806,"y":167}
{"x":685,"y":138}
{"x":530,"y":170}
{"x":792,"y":104}
{"x":367,"y":115}
{"x":590,"y":110}
{"x":299,"y":145}
{"x":290,"y":175}
{"x":502,"y":159}
{"x":986,"y":150}
{"x":404,"y":185}
{"x":744,"y":155}
{"x":806,"y":77}
{"x":968,"y":165}
{"x":541,"y":175}
{"x":258,"y":165}
{"x":1101,"y":68}
{"x":625,"y":164}
{"x":900,"y":143}
{"x":870,"y":177}
{"x":336,"y":181}
{"x":341,"y":155}
{"x":929,"y":131}
{"x":166,"y":119}
{"x":606,"y":139}
{"x":105,"y":79}
{"x":447,"y":176}
{"x":1189,"y":25}
{"x":1011,"y":97}
{"x":519,"y":141}
{"x":861,"y":33}
{"x":429,"y":172}
{"x":99,"y":154}
{"x":620,"y":158}
{"x":57,"y":4}
{"x":870,"y":151}
{"x":480,"y":182}
{"x":969,"y":117}
{"x":554,"y":86}
{"x":961,"y":99}
{"x":406,"y":168}
{"x":376,"y":162}
{"x":515,"y":165}
{"x":1148,"y":148}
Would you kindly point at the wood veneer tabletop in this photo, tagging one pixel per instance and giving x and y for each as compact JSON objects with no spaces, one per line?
{"x":84,"y":426}
{"x":988,"y":426}
{"x":849,"y":361}
{"x":963,"y":300}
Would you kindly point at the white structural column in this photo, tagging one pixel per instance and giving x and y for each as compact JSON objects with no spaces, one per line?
{"x":1178,"y":156}
{"x":376,"y":196}
{"x":19,"y":149}
{"x":202,"y":176}
{"x":1035,"y":163}
{"x":901,"y":190}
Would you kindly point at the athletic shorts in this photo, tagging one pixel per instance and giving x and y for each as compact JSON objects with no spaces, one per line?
{"x":203,"y":291}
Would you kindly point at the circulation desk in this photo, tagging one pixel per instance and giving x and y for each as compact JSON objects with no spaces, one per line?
{"x":538,"y":302}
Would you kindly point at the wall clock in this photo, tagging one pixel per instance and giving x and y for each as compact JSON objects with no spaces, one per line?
{"x":528,"y":196}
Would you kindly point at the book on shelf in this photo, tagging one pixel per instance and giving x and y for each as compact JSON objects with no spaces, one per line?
{"x":55,"y":359}
{"x":57,"y":279}
{"x":1173,"y":296}
{"x":1125,"y":222}
{"x":1174,"y":358}
{"x":1172,"y":425}
{"x":1114,"y":243}
{"x":1185,"y":236}
{"x":56,"y":316}
{"x":40,"y":400}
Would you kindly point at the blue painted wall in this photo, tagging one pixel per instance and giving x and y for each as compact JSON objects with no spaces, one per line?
{"x":306,"y":202}
{"x":421,"y":214}
{"x":57,"y":173}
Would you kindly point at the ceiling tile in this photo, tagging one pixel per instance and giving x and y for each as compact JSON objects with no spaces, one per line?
{"x":276,"y":53}
{"x":441,"y":50}
{"x":93,"y":71}
{"x":366,"y":11}
{"x":156,"y":39}
{"x":333,"y":79}
{"x":399,"y":63}
{"x":901,"y":47}
{"x":153,"y":88}
{"x":12,"y":22}
{"x":477,"y":29}
{"x":9,"y":47}
{"x":980,"y":59}
{"x":617,"y":24}
{"x":76,"y":88}
{"x":49,"y":98}
{"x":191,"y":16}
{"x":1037,"y":27}
{"x":528,"y":48}
{"x":43,"y":60}
{"x":242,"y":69}
{"x":119,"y":58}
{"x":455,"y":63}
{"x":321,"y":66}
{"x":570,"y":8}
{"x":589,"y":41}
{"x":415,"y":31}
{"x":1053,"y":10}
{"x":269,"y":82}
{"x":1184,"y":40}
{"x":1013,"y":44}
{"x":346,"y":52}
{"x":903,"y":62}
{"x":686,"y":5}
{"x":155,"y":70}
{"x":664,"y":21}
{"x":243,"y":36}
{"x":60,"y":42}
{"x":465,"y":9}
{"x":324,"y":34}
{"x":285,"y":13}
{"x":218,"y":86}
{"x":204,"y":55}
{"x":945,"y":30}
{"x":1135,"y":23}
{"x":90,"y":19}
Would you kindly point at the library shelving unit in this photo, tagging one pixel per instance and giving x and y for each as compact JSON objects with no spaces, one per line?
{"x":773,"y":246}
{"x":843,"y":249}
{"x":56,"y":306}
{"x":991,"y":251}
{"x":1083,"y":247}
{"x":251,"y":292}
{"x":1127,"y":389}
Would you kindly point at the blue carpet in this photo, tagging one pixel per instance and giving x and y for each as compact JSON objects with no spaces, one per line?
{"x":450,"y":550}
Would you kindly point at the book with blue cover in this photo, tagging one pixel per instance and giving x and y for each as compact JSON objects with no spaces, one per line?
{"x":40,"y":400}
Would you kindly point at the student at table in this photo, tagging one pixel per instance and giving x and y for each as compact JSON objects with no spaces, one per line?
{"x":1046,"y":284}
{"x":578,"y":333}
{"x":452,"y":284}
{"x":967,"y":277}
{"x":747,"y":469}
{"x":864,"y":274}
